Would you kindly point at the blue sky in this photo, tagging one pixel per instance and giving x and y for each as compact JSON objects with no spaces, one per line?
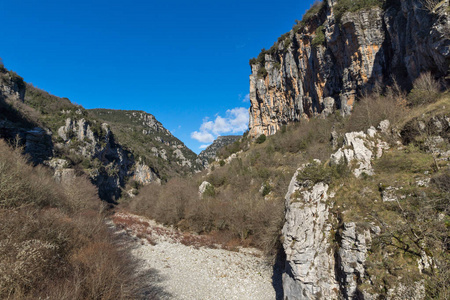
{"x":186,"y":62}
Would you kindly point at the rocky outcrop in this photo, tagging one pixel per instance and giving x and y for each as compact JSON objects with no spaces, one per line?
{"x":12,"y":86}
{"x":38,"y":144}
{"x":309,"y":272}
{"x":144,"y":174}
{"x":204,"y":187}
{"x":210,"y":152}
{"x":351,"y":257}
{"x":316,"y":267}
{"x":320,"y":263}
{"x":16,"y":128}
{"x":110,"y":164}
{"x":359,"y":149}
{"x":79,"y":131}
{"x":434,"y":131}
{"x":327,"y":60}
{"x":147,"y":138}
{"x":107,"y":163}
{"x":326,"y":255}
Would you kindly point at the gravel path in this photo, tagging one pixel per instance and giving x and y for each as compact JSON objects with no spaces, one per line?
{"x":195,"y":272}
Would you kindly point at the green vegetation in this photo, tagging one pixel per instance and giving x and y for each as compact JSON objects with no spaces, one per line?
{"x":266,"y":189}
{"x":319,"y":39}
{"x":410,"y":225}
{"x":285,"y":40}
{"x":309,"y":15}
{"x":344,"y":6}
{"x":277,"y":65}
{"x":234,"y":148}
{"x":261,"y":139}
{"x":313,"y":11}
{"x":16,"y":79}
{"x":51,"y":111}
{"x":130,"y":132}
{"x":260,"y":60}
{"x":317,"y":172}
{"x":2,"y":66}
{"x":262,"y":72}
{"x":53,"y":240}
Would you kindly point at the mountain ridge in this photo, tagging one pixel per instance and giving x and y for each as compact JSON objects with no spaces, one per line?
{"x":68,"y":137}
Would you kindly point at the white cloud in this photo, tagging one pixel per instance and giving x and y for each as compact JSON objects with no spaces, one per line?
{"x":202,"y":137}
{"x":235,"y":121}
{"x":204,"y":146}
{"x":246,"y":98}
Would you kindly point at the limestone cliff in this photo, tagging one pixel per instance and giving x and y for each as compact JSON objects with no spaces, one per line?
{"x":337,"y":51}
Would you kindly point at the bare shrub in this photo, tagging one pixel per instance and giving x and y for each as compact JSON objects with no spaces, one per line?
{"x":81,"y":194}
{"x":425,"y":90}
{"x":54,"y":243}
{"x":373,"y":108}
{"x":307,"y":137}
{"x":20,"y":183}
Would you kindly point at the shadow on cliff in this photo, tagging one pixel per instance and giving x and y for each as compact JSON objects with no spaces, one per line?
{"x":402,"y":57}
{"x":277,"y":275}
{"x":18,"y":130}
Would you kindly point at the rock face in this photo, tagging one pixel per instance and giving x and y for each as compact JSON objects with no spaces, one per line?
{"x":316,"y":266}
{"x":221,"y":141}
{"x":322,"y":64}
{"x":107,"y":162}
{"x":321,"y":264}
{"x":12,"y":86}
{"x":351,"y":257}
{"x":147,"y":138}
{"x":309,"y":270}
{"x":144,"y":174}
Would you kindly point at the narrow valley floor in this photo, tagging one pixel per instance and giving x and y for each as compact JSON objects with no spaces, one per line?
{"x":187,"y":270}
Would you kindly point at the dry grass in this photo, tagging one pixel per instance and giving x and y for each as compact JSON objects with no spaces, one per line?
{"x":375,"y":107}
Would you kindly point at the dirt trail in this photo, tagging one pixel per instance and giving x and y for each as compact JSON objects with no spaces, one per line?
{"x":187,"y":270}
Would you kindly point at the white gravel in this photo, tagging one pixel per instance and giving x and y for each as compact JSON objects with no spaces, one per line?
{"x":188,"y":272}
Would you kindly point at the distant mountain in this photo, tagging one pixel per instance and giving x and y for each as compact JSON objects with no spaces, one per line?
{"x":114,"y":148}
{"x":211,"y":151}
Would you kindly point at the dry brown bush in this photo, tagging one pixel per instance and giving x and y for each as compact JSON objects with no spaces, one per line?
{"x":54,"y":243}
{"x":425,"y":90}
{"x":373,"y":108}
{"x":22,"y":184}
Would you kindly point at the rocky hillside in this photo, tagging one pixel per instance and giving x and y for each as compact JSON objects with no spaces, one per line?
{"x":370,"y":222}
{"x":342,"y":48}
{"x":211,"y":151}
{"x":151,"y":142}
{"x":110,"y":146}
